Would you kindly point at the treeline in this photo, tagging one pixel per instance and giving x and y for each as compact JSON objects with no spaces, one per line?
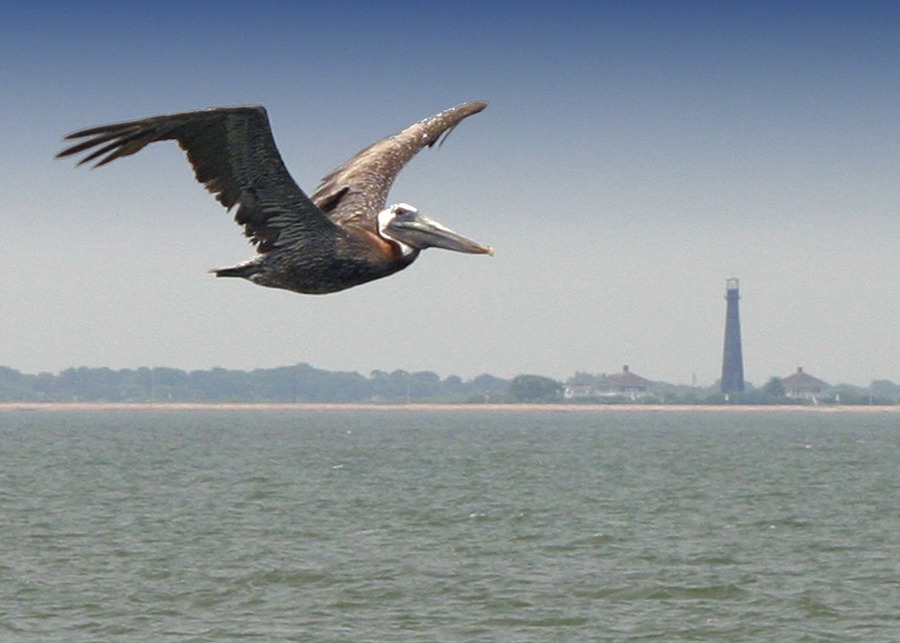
{"x":299,"y":383}
{"x":304,"y":383}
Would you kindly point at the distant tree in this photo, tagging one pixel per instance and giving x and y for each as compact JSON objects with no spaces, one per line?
{"x":46,"y":385}
{"x":487,"y":388}
{"x":8,"y":374}
{"x":856,"y":395}
{"x":424,"y":384}
{"x":345,"y":386}
{"x":453,"y":385}
{"x":489,"y":383}
{"x":885,"y":389}
{"x":221,"y":385}
{"x":535,"y":388}
{"x":91,"y":384}
{"x":15,"y":386}
{"x":774,"y":387}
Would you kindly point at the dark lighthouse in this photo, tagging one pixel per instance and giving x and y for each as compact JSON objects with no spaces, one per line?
{"x":732,"y":360}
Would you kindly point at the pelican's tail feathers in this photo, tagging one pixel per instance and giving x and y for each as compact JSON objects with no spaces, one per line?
{"x":243,"y":270}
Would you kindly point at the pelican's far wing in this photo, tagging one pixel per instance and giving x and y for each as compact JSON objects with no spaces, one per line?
{"x":234,"y":155}
{"x":357,"y":190}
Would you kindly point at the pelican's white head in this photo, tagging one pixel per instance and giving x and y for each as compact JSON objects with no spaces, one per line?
{"x":412,"y":231}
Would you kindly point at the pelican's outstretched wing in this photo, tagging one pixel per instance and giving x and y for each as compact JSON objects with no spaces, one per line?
{"x":357,"y":190}
{"x":234,"y":155}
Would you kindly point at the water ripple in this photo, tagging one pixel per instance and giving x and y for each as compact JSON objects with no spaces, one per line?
{"x":417,"y":526}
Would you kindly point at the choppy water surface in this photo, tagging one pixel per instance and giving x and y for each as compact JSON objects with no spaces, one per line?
{"x":449,"y":526}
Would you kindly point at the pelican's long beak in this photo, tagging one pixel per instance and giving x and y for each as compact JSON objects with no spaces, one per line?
{"x":420,"y":232}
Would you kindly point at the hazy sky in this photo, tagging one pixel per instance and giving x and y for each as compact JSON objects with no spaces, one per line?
{"x":634,"y":156}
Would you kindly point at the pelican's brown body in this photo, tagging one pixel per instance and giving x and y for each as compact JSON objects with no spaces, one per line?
{"x":341,"y":237}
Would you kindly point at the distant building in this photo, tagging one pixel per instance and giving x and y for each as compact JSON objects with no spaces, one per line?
{"x":732,"y":357}
{"x":803,"y":385}
{"x":575,"y":389}
{"x":625,"y":383}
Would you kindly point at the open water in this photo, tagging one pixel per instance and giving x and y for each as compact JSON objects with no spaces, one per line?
{"x":398,"y":525}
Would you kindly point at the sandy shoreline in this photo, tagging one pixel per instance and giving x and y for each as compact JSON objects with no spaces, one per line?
{"x":594,"y":408}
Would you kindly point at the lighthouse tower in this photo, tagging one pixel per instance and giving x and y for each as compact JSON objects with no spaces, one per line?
{"x":732,"y":360}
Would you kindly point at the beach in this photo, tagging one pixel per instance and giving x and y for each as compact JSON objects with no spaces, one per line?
{"x":563,"y":408}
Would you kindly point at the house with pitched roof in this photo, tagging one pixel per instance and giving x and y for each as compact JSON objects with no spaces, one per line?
{"x":623,"y":384}
{"x":575,"y":388}
{"x":802,"y":385}
{"x":626,"y":384}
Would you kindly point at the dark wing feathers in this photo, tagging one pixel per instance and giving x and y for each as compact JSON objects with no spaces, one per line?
{"x":357,"y":190}
{"x":234,"y":155}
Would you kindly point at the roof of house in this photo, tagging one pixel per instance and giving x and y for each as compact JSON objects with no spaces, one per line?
{"x":801,"y":380}
{"x":625,"y":379}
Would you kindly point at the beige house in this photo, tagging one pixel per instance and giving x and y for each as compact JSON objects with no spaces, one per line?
{"x":626,"y":384}
{"x":803,"y":385}
{"x":579,"y":389}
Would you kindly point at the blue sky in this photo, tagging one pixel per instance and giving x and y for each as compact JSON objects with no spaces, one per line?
{"x":634,"y":156}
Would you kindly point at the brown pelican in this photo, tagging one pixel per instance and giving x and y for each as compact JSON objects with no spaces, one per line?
{"x":341,"y":237}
